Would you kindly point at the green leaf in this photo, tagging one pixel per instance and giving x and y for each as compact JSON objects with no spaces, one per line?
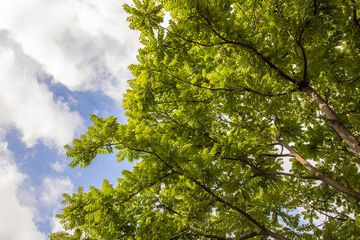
{"x":219,"y":102}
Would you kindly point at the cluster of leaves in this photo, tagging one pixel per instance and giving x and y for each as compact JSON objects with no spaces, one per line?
{"x":220,"y":97}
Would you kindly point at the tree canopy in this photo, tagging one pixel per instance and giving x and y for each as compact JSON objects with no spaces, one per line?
{"x":221,"y":97}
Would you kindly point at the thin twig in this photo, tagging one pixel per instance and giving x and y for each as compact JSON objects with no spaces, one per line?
{"x":350,"y":82}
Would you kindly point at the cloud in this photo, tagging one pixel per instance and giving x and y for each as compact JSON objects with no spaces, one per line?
{"x":53,"y":188}
{"x":16,"y":219}
{"x":57,"y":227}
{"x":85,"y":45}
{"x":58,"y":167}
{"x":27,"y":104}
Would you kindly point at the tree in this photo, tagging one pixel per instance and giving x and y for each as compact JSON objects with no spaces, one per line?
{"x":67,"y":236}
{"x":220,"y":97}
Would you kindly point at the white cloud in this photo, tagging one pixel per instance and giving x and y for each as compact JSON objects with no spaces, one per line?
{"x":27,"y":104}
{"x":58,"y":167}
{"x":57,"y":227}
{"x":53,"y":188}
{"x":16,"y":219}
{"x":85,"y":45}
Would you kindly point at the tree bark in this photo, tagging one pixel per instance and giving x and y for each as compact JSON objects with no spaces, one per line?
{"x":322,"y":177}
{"x":333,"y":120}
{"x":276,"y":235}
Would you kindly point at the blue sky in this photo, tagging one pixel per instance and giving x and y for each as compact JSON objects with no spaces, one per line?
{"x":60,"y":61}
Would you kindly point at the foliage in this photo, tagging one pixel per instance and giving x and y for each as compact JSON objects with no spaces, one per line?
{"x":221,"y":96}
{"x":67,"y":236}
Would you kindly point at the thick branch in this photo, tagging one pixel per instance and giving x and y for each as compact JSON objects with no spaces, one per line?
{"x":288,"y":174}
{"x":247,"y":46}
{"x":319,"y":174}
{"x":333,"y":120}
{"x":275,"y":155}
{"x":226,"y":89}
{"x":344,"y":148}
{"x":267,"y":61}
{"x":268,"y":94}
{"x":355,"y":17}
{"x":315,"y":7}
{"x":225,"y":41}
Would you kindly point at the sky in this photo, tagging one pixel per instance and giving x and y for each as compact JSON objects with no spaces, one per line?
{"x":60,"y":61}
